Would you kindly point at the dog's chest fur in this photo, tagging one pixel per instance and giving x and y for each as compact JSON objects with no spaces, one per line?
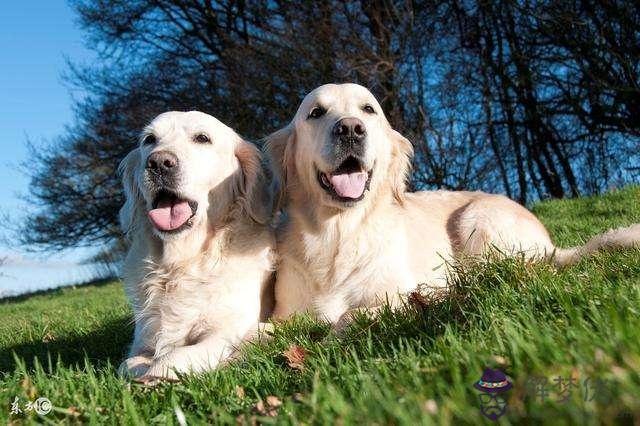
{"x":176,"y":305}
{"x":354,"y":257}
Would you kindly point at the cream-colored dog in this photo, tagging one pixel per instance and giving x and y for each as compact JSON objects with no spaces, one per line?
{"x":353,"y":237}
{"x":202,"y":252}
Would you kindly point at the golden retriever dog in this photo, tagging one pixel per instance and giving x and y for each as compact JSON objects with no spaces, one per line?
{"x":201,"y":254}
{"x":354,"y":237}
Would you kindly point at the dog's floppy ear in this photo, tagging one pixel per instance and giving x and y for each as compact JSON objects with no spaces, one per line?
{"x":131,"y":209}
{"x":279,"y":147}
{"x":252,"y":188}
{"x":401,"y":156}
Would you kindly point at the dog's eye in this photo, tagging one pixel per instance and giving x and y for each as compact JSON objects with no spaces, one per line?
{"x":368,"y":109}
{"x":149,"y":140}
{"x":202,"y":138}
{"x":317,"y":112}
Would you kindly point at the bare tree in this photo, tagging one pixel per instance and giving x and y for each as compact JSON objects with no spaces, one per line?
{"x":534,"y":99}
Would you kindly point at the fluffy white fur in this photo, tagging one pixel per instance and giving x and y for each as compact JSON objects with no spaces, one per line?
{"x":336,"y":256}
{"x":196,"y":293}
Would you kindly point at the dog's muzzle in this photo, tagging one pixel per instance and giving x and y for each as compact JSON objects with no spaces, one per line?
{"x":348,"y":182}
{"x":350,"y":136}
{"x":172,"y":213}
{"x":163,"y":168}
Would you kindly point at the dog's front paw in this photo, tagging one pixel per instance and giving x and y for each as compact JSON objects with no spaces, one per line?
{"x":152,"y":381}
{"x":134,"y":367}
{"x":262,"y":333}
{"x":158,"y":372}
{"x":345,"y":320}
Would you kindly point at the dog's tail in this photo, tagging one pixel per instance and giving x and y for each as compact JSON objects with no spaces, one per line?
{"x":613,"y":239}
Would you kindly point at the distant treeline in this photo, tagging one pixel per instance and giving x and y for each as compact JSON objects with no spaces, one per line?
{"x":534,"y":99}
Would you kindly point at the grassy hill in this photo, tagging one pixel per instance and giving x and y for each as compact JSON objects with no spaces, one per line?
{"x":568,"y":339}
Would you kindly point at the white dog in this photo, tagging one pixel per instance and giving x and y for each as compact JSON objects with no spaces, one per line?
{"x":354,"y":237}
{"x":202,"y":252}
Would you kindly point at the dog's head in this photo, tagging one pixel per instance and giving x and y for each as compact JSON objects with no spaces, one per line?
{"x":340,"y":149}
{"x":187,"y":168}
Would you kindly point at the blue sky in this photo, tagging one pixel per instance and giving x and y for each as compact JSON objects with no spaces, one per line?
{"x":35,"y":104}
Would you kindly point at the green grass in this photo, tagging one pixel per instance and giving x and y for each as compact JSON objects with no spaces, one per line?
{"x":413,"y":367}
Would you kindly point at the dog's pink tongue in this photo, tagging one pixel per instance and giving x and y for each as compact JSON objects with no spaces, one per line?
{"x":169,"y":216}
{"x":349,"y":185}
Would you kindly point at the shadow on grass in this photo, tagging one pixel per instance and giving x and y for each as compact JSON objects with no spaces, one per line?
{"x":107,"y":343}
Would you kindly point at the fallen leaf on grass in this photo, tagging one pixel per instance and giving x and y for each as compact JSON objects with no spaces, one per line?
{"x":28,"y":388}
{"x":295,"y":356}
{"x":269,"y":407}
{"x":274,"y":401}
{"x":48,"y":337}
{"x":73,"y":411}
{"x":240,"y":392}
{"x":427,"y":296}
{"x":418,"y":300}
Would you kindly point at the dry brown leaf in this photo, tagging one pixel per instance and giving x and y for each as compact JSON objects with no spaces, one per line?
{"x":295,"y":356}
{"x":28,"y":388}
{"x":273,"y":401}
{"x":269,"y":407}
{"x":73,"y":411}
{"x":259,"y":407}
{"x":48,"y":337}
{"x":240,"y":392}
{"x":418,"y":300}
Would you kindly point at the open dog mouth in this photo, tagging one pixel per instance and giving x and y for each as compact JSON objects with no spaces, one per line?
{"x":347,"y":182}
{"x":171,"y":213}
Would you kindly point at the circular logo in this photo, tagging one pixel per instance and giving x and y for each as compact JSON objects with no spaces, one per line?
{"x":42,"y":406}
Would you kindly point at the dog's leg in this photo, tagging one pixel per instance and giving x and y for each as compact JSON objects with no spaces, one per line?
{"x":346,"y":319}
{"x":391,"y":295}
{"x":202,"y":356}
{"x":293,"y":293}
{"x":139,"y":358}
{"x":134,"y":366}
{"x":263,"y":333}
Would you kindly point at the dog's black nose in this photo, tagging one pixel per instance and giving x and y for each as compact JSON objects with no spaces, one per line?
{"x":350,"y":128}
{"x":350,"y":134}
{"x":162,"y":162}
